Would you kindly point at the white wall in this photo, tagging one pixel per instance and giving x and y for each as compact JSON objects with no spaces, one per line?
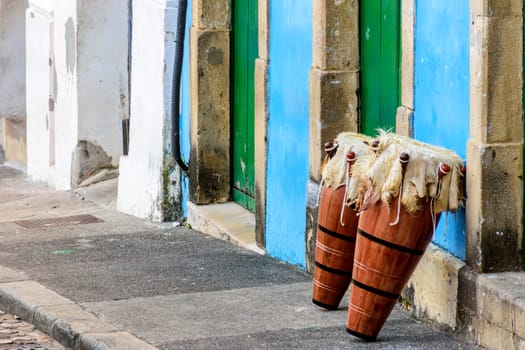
{"x":39,"y":52}
{"x":90,"y":49}
{"x":66,"y":106}
{"x":140,"y":191}
{"x":103,"y":73}
{"x":12,"y":57}
{"x":12,"y":80}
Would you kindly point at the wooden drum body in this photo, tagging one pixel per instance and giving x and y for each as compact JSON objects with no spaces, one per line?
{"x":334,"y":252}
{"x":385,"y":258}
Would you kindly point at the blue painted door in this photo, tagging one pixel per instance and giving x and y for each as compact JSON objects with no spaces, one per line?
{"x":288,"y":132}
{"x":441,"y":95}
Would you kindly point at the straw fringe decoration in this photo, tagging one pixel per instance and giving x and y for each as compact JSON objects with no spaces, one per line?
{"x":334,"y":171}
{"x":384,"y":177}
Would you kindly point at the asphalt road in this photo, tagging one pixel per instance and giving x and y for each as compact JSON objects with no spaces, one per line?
{"x":173,"y":288}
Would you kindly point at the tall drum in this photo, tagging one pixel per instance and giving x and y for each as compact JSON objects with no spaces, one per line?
{"x":337,"y":220}
{"x":407,"y":186}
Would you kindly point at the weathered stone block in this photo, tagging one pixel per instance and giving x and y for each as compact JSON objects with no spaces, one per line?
{"x":15,"y":140}
{"x":519,"y":318}
{"x":336,"y":34}
{"x":496,"y":8}
{"x":495,"y":308}
{"x":261,"y":119}
{"x":312,"y":193}
{"x":405,"y":121}
{"x":496,"y":79}
{"x":494,"y":206}
{"x":212,"y":14}
{"x":264,"y":28}
{"x":492,"y":337}
{"x":433,"y":288}
{"x":407,"y":53}
{"x":333,"y":109}
{"x":519,"y":343}
{"x":210,"y":116}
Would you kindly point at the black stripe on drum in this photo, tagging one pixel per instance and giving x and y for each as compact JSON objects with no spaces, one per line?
{"x":336,"y":235}
{"x":332,"y":270}
{"x":390,"y":244}
{"x":326,"y":306}
{"x":360,"y":335}
{"x":375,"y":290}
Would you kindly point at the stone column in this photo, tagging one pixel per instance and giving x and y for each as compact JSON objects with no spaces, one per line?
{"x":261,"y":119}
{"x":210,"y":101}
{"x":334,"y":82}
{"x":149,"y":181}
{"x":334,"y":78}
{"x":495,"y":148}
{"x":405,"y":112}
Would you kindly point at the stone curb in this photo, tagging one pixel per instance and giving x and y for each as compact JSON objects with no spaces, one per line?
{"x":60,"y":318}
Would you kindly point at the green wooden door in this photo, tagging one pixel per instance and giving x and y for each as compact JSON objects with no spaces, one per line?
{"x":244,"y":53}
{"x":380,"y":63}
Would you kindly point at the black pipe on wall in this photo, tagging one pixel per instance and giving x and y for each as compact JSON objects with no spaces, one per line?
{"x":182,"y":6}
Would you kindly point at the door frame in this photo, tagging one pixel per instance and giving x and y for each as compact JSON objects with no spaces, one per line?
{"x":210,"y":174}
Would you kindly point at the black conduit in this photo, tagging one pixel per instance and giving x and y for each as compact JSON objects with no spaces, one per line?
{"x":176,"y":82}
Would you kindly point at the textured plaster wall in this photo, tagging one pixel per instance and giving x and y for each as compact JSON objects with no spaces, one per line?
{"x":78,"y":56}
{"x":12,"y":81}
{"x":103,"y":98}
{"x":39,"y":38}
{"x":148,"y":182}
{"x":12,"y":58}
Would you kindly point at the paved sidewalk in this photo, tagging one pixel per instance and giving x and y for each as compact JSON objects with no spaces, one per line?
{"x":94,"y":278}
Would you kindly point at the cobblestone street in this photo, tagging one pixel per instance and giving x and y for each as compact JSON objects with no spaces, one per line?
{"x":16,"y":334}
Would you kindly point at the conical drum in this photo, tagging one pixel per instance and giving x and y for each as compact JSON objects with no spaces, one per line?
{"x":334,"y":249}
{"x":385,"y":257}
{"x":405,"y":189}
{"x":337,"y":221}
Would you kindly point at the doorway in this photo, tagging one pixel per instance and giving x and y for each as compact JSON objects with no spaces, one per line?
{"x":379,"y":38}
{"x":244,"y":53}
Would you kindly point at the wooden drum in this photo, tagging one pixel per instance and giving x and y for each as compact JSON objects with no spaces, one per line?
{"x":395,"y":228}
{"x":336,"y":222}
{"x":334,"y":248}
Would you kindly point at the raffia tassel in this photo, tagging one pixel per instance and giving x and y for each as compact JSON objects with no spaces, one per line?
{"x":371,"y":197}
{"x":380,"y":169}
{"x":393,"y":182}
{"x":455,"y":195}
{"x":442,"y":199}
{"x":352,"y":196}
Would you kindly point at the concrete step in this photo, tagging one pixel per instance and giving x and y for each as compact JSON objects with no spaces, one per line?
{"x":227,"y":221}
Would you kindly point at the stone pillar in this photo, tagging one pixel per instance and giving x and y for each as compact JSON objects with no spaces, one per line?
{"x":210,"y":101}
{"x":334,"y":78}
{"x":405,"y":112}
{"x":495,"y":149}
{"x":334,"y":82}
{"x":261,"y":119}
{"x":12,"y":82}
{"x":149,"y":181}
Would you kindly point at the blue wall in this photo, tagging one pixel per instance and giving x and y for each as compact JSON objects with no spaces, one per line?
{"x":288,"y":134}
{"x":441,"y":89}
